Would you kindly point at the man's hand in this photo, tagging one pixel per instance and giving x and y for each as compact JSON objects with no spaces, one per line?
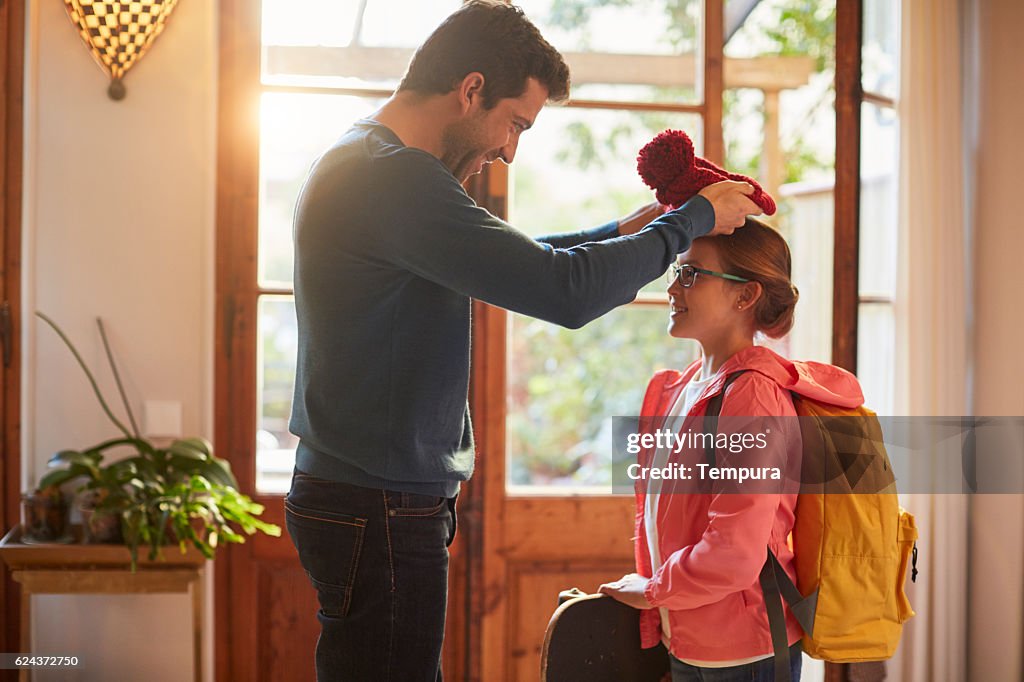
{"x":629,"y":589}
{"x":640,"y":218}
{"x":732,"y":205}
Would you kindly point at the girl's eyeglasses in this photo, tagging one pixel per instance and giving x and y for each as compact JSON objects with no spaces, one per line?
{"x":686,"y":275}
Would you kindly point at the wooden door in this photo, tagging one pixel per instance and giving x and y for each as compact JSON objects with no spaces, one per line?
{"x":514,"y":552}
{"x":526,"y":547}
{"x":522,"y":550}
{"x":266,"y":627}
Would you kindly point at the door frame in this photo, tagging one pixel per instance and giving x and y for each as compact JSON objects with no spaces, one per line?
{"x":474,"y":628}
{"x":234,"y":325}
{"x":12,"y":60}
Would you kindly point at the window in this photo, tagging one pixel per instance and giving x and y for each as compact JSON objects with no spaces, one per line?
{"x":332,"y":63}
{"x":763,"y":86}
{"x":879,"y":186}
{"x":637,"y":70}
{"x":322,"y":68}
{"x":564,"y":386}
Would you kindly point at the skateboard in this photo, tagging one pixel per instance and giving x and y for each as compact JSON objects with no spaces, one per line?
{"x":594,"y":638}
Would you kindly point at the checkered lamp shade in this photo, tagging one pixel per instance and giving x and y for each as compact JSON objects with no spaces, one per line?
{"x":119,"y":33}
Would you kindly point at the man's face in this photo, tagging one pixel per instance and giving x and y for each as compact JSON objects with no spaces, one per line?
{"x":484,"y":135}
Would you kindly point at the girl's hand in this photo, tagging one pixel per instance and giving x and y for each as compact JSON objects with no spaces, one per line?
{"x":640,"y":218}
{"x":629,"y":589}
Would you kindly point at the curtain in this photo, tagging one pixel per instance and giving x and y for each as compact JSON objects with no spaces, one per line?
{"x":933,"y":321}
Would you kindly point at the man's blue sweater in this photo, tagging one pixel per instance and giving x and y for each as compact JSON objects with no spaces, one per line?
{"x":389,"y":250}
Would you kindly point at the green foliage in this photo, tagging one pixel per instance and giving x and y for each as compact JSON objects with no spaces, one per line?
{"x":183,"y":488}
{"x":574,"y":15}
{"x":740,"y":159}
{"x":799,"y":28}
{"x":586,"y":152}
{"x":805,"y":27}
{"x":571,"y":14}
{"x":801,"y":161}
{"x":566,"y":385}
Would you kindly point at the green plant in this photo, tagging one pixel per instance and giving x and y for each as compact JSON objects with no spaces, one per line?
{"x":88,"y":464}
{"x":181,"y":493}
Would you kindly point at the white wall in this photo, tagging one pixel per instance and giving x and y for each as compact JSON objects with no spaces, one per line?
{"x":119,"y":223}
{"x":996,"y":602}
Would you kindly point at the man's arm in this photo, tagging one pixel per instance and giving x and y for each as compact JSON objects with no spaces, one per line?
{"x":567,"y":240}
{"x":432,"y":228}
{"x":728,"y":197}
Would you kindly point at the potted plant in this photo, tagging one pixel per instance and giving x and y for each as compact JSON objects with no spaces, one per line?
{"x":99,"y":523}
{"x":45,"y":515}
{"x":181,"y":493}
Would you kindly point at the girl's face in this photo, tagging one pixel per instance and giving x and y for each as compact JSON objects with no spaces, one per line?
{"x":712,"y":307}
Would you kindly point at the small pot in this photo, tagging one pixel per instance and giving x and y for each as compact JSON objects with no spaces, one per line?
{"x":99,"y":527}
{"x":44,"y":518}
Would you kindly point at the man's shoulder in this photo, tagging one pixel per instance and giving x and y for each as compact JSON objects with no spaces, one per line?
{"x":371,"y":160}
{"x":374,"y":144}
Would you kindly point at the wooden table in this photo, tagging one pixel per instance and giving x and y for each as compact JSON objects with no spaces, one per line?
{"x":102,"y":569}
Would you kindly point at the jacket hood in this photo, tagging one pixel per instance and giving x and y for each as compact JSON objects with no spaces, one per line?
{"x":815,"y":380}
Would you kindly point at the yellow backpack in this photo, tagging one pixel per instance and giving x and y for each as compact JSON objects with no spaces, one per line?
{"x":852,"y":542}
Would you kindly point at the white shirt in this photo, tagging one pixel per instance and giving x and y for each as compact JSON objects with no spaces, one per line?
{"x":688,"y":397}
{"x":674,"y":421}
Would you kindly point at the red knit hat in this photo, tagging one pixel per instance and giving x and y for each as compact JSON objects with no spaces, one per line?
{"x":669,"y":166}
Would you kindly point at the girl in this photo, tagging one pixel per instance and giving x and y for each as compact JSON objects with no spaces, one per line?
{"x":699,"y":555}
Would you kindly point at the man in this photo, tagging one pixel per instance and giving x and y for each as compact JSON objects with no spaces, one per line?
{"x":389,"y":253}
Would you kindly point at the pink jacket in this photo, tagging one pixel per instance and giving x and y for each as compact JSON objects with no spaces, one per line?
{"x":713,"y":545}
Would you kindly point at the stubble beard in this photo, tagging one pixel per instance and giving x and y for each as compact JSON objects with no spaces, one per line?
{"x":460,"y":149}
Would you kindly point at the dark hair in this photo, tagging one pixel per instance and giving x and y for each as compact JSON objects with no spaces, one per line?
{"x":758,"y":252}
{"x":495,"y":39}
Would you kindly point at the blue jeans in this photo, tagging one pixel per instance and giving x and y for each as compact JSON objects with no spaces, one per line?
{"x":759,"y":671}
{"x":378,"y":560}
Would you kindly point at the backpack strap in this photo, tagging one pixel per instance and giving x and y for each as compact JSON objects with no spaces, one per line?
{"x":775,"y":582}
{"x":711,"y":416}
{"x":776,"y":618}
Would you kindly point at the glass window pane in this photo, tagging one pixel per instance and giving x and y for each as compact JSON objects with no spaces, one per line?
{"x":308,"y":22}
{"x":564,"y":386}
{"x":806,"y":219}
{"x":277,"y":346}
{"x":879,"y":185}
{"x":659,"y":27}
{"x":576,"y":168}
{"x":876,"y":352}
{"x":355,"y":43}
{"x":743,"y":132}
{"x":358,"y":44}
{"x":782,"y":133}
{"x":630,"y":43}
{"x":782,"y":27}
{"x":780,"y":128}
{"x":880,"y":55}
{"x":294,"y":130}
